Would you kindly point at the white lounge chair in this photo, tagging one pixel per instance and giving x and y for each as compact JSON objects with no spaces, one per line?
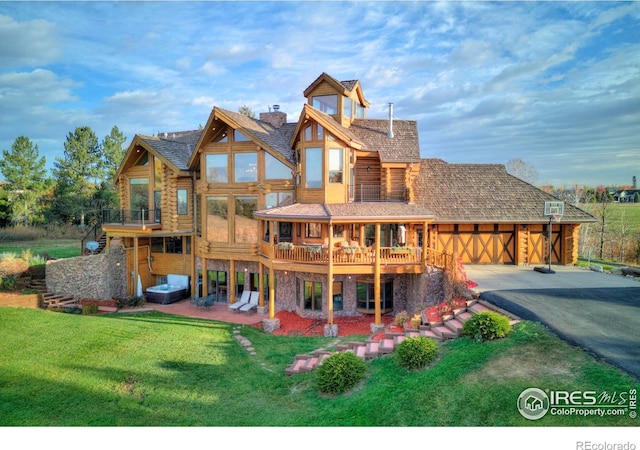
{"x":253,"y":302}
{"x":244,"y":300}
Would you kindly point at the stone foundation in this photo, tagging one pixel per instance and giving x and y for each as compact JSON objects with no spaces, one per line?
{"x":270,"y":325}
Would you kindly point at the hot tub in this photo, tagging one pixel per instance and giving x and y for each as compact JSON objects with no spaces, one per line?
{"x":176,"y":288}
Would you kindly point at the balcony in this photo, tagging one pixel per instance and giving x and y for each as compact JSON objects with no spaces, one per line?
{"x":373,"y":193}
{"x":394,"y":259}
{"x":131,"y":219}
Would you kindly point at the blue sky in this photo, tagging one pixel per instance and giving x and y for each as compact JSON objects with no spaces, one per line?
{"x":556,"y":84}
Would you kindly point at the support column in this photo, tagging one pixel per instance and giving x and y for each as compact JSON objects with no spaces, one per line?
{"x":231,"y":287}
{"x":330,"y":329}
{"x":135,"y":266}
{"x":376,"y":278}
{"x":205,"y":278}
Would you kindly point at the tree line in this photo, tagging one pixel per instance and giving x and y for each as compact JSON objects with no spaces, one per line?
{"x":81,"y":184}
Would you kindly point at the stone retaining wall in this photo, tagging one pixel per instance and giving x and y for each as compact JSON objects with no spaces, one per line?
{"x":101,"y":276}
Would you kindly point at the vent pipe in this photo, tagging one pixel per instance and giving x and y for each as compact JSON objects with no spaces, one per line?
{"x":390,"y":134}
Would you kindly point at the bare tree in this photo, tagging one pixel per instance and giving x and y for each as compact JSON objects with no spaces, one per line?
{"x":526,"y":171}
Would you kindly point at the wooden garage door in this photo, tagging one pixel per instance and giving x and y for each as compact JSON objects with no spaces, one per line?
{"x":538,"y":249}
{"x":479,"y":243}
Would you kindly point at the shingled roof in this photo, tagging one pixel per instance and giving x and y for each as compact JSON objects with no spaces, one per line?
{"x":483,"y":193}
{"x":348,"y":211}
{"x":275,"y":138}
{"x":402,"y":147}
{"x":175,"y":147}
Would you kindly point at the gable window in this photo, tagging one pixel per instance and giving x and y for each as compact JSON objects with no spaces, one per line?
{"x":313,"y":167}
{"x":307,"y":133}
{"x":217,"y":219}
{"x":245,"y":167}
{"x":238,"y":136}
{"x":216,"y":167}
{"x":319,"y":132}
{"x":335,"y":165}
{"x":143,"y":160}
{"x":183,"y":208}
{"x":359,"y":111}
{"x":274,"y":169}
{"x":326,"y":103}
{"x":246,"y":225}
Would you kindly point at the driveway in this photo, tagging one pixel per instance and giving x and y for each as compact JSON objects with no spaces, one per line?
{"x":596,"y":311}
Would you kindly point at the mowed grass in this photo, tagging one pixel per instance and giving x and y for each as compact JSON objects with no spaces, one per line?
{"x":152,"y":369}
{"x":55,"y":248}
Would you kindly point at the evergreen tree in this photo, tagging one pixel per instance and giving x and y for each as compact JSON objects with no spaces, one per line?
{"x":113,"y":151}
{"x":24,"y":171}
{"x":77,"y":174}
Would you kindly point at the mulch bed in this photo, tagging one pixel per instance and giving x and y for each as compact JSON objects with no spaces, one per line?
{"x":293,"y":325}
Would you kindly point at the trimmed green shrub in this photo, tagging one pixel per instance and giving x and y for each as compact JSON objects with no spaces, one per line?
{"x":416,"y":352}
{"x":339,"y":373}
{"x":89,"y":309}
{"x":486,"y":326}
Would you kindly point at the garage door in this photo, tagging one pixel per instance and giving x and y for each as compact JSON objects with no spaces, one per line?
{"x":538,"y":248}
{"x":478,"y":243}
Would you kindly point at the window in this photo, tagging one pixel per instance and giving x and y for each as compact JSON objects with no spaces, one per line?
{"x":245,"y":167}
{"x":319,"y":132}
{"x":157,"y":206}
{"x":143,"y":160}
{"x":171,"y":244}
{"x":338,"y":231}
{"x":326,"y":103}
{"x":157,"y":173}
{"x":274,"y":169}
{"x":284,"y":234}
{"x":139,"y":198}
{"x":359,"y":111}
{"x":273,"y":199}
{"x":217,"y":170}
{"x":239,"y":136}
{"x":246,"y":225}
{"x":313,"y":230}
{"x":313,"y":167}
{"x":366,"y":295}
{"x":307,"y":133}
{"x":217,"y":219}
{"x":313,"y":295}
{"x":346,"y":107}
{"x":337,"y":296}
{"x":335,"y":165}
{"x":183,"y":208}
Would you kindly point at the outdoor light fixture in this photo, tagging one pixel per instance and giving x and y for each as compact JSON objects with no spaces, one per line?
{"x":368,"y":169}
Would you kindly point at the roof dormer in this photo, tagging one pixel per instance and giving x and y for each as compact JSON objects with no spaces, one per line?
{"x":343,"y":100}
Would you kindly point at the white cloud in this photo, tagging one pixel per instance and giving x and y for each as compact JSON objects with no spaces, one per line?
{"x":30,"y":43}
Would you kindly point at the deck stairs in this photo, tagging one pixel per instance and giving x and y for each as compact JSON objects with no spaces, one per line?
{"x":385,"y":343}
{"x":50,"y":299}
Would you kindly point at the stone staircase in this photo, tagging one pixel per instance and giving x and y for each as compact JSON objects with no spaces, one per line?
{"x":50,"y":299}
{"x":385,"y":344}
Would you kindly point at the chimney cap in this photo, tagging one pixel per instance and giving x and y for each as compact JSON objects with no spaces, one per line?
{"x":276,"y":107}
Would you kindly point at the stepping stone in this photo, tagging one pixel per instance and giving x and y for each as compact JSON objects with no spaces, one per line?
{"x":454,"y":325}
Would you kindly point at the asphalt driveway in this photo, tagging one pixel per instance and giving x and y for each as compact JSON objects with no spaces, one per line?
{"x":596,"y":311}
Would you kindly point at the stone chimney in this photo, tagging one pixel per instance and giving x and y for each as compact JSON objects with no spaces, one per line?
{"x":275,"y":118}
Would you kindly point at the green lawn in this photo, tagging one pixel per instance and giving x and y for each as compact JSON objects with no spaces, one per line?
{"x":152,"y":369}
{"x":58,"y":248}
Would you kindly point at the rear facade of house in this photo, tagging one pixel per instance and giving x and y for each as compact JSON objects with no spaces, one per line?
{"x":331,"y":214}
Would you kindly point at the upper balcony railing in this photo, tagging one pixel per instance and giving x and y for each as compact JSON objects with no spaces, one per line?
{"x":371,"y":193}
{"x":131,"y":216}
{"x":343,"y":255}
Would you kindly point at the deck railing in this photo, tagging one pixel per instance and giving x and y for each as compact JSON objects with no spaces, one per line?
{"x":131,"y":216}
{"x":373,"y":193}
{"x":345,"y":255}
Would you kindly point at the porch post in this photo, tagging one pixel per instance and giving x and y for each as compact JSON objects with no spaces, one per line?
{"x":135,"y":266}
{"x":330,"y":278}
{"x":272,"y":293}
{"x":425,"y":246}
{"x":376,"y":278}
{"x":231,"y":287}
{"x":205,"y":278}
{"x":261,"y":285}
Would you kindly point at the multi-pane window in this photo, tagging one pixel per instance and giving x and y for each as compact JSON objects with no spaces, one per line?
{"x":273,"y":199}
{"x":313,"y":167}
{"x":346,"y":106}
{"x":238,"y":136}
{"x":217,"y":168}
{"x":313,"y":295}
{"x":139,"y":198}
{"x":245,"y":167}
{"x":335,"y":165}
{"x":337,"y":296}
{"x":313,"y":230}
{"x":366,"y":295}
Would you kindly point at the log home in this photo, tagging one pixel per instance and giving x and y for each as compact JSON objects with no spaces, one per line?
{"x":332,"y":214}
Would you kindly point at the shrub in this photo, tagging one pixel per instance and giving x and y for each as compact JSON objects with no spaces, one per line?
{"x":339,"y":373}
{"x":91,"y":308}
{"x":416,"y":352}
{"x":130,"y":301}
{"x":401,"y":318}
{"x":486,"y":326}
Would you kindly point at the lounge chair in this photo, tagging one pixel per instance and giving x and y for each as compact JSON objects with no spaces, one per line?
{"x":244,"y":300}
{"x":253,"y":302}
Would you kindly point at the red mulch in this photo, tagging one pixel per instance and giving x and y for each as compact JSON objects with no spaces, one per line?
{"x":293,"y":325}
